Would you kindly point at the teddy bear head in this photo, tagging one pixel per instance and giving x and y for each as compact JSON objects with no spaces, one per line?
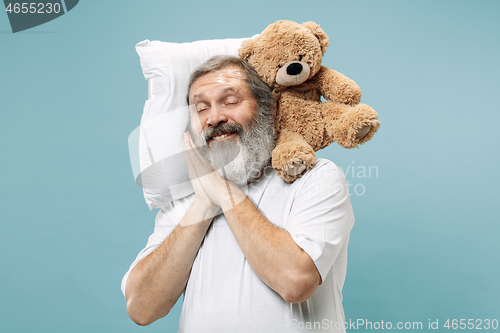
{"x":286,"y":53}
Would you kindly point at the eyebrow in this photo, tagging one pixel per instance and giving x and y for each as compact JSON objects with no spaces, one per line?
{"x":222,"y":91}
{"x":229,"y":90}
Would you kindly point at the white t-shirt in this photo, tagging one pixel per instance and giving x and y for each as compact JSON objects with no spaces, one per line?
{"x":224,"y":294}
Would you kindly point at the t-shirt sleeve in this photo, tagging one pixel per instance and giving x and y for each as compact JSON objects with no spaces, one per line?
{"x":321,"y":216}
{"x":166,"y":220}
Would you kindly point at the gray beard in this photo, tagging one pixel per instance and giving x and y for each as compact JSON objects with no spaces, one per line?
{"x":242,"y":162}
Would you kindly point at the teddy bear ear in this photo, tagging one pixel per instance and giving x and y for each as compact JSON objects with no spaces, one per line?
{"x":319,"y":33}
{"x":246,"y":49}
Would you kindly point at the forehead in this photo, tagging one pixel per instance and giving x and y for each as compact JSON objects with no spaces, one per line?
{"x":223,"y":80}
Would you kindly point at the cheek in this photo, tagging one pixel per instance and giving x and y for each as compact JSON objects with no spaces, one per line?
{"x":246,"y":113}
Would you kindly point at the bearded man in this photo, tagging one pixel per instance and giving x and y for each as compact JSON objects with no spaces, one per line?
{"x":249,"y":252}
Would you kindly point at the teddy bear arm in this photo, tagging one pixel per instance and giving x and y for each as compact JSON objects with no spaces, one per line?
{"x":292,"y":157}
{"x":335,"y":86}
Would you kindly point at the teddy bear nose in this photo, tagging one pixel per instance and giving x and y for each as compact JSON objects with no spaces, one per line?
{"x":294,"y":69}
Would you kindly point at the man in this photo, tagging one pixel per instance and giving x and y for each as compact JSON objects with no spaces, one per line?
{"x":272,"y":259}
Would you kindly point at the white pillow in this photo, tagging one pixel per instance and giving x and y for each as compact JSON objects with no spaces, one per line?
{"x":157,"y":147}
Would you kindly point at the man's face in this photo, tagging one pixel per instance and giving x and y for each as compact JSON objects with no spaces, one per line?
{"x":227,"y":127}
{"x":221,"y":98}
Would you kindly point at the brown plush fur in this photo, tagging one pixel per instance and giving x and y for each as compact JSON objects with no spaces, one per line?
{"x":304,"y":124}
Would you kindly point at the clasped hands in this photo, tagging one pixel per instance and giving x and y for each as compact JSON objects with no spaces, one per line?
{"x":212,"y":192}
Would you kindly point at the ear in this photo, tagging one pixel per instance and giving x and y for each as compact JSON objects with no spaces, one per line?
{"x":246,"y":49}
{"x":319,"y":33}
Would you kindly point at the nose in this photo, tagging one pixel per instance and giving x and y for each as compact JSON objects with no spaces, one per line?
{"x":294,"y":69}
{"x":216,"y":116}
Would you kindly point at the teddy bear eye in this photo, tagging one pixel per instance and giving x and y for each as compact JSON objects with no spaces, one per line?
{"x":279,"y":66}
{"x":300,"y":57}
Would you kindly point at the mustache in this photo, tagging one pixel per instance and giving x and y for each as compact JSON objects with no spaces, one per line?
{"x":214,"y":131}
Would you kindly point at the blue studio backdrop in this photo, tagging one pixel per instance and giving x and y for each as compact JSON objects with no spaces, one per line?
{"x":424,"y":190}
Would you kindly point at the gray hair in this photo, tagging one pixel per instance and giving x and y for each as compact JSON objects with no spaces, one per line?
{"x":260,"y":90}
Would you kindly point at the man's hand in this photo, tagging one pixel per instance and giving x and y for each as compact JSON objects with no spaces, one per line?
{"x":211,"y":191}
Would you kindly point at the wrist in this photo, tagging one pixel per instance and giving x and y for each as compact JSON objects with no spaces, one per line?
{"x":232,"y":197}
{"x":205,"y":210}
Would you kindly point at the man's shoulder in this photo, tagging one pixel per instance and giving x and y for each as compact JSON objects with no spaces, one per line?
{"x":323,"y":171}
{"x":324,"y":174}
{"x":324,"y":167}
{"x":324,"y":163}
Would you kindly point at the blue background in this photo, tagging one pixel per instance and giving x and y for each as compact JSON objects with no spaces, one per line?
{"x":425,"y":244}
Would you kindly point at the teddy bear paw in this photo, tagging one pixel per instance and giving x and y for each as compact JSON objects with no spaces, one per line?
{"x":363,"y":131}
{"x":356,"y":126}
{"x":293,"y":157}
{"x":296,"y":168}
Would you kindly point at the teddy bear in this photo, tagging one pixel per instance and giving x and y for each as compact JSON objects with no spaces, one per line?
{"x":287,"y":56}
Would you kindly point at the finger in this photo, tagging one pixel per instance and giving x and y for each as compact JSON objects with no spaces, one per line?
{"x":187,"y":140}
{"x":203,"y":167}
{"x":194,"y":169}
{"x":196,"y":151}
{"x":190,"y":149}
{"x":193,"y":174}
{"x":188,"y":157}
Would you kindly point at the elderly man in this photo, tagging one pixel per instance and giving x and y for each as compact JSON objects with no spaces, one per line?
{"x":250,"y":252}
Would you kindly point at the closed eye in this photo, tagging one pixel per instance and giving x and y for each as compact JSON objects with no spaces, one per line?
{"x":201,"y":107}
{"x":231,"y":101}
